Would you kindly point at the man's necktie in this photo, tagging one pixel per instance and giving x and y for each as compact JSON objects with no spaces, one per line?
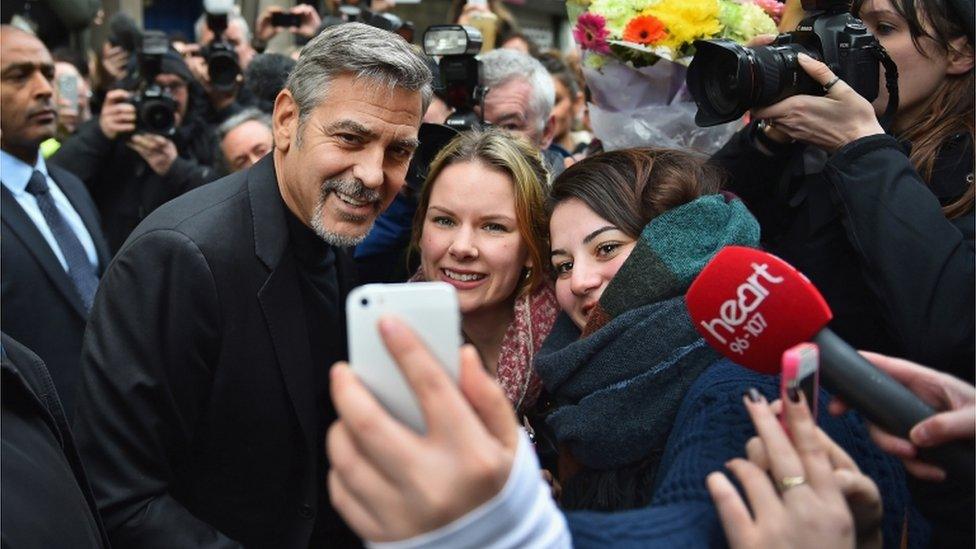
{"x":80,"y":270}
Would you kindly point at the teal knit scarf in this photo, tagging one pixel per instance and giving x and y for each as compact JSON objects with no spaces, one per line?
{"x":672,"y":249}
{"x":617,"y":388}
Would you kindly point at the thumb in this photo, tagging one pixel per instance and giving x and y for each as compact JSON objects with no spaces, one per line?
{"x":487,"y":398}
{"x":944,"y":427}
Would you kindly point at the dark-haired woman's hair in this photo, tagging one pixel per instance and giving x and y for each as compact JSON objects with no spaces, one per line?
{"x":951,"y":108}
{"x":631,"y":187}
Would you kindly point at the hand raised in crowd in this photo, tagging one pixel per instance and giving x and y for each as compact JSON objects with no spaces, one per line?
{"x":379,"y":6}
{"x":310,"y":22}
{"x":156,"y":150}
{"x":469,"y":9}
{"x":955,"y":398}
{"x":115,"y":59}
{"x":831,"y":121}
{"x":390,"y":483}
{"x":118,"y":115}
{"x":821,"y":498}
{"x":68,"y":115}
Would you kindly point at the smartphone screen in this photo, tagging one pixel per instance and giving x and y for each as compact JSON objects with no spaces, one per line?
{"x":282,"y":19}
{"x":68,"y":89}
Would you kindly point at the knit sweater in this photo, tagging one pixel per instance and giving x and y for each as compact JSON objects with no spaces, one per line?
{"x":711,"y":427}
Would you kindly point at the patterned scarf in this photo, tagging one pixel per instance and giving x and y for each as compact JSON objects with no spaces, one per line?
{"x":534,"y":316}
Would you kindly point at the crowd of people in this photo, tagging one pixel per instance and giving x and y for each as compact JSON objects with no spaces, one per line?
{"x":173,"y":291}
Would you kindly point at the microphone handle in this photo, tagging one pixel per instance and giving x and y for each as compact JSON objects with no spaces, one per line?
{"x":885,"y":402}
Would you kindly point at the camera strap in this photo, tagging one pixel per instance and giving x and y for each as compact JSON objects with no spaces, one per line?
{"x":891,"y":84}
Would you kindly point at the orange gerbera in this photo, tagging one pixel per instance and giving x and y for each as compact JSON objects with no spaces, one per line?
{"x":645,"y":29}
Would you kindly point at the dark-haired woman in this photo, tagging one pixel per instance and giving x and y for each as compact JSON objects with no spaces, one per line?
{"x":642,"y":408}
{"x":881,"y":222}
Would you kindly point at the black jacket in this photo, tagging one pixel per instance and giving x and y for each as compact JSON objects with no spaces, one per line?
{"x":46,"y":500}
{"x":871,"y":236}
{"x":41,"y":307}
{"x":123,"y":186}
{"x":197,"y":415}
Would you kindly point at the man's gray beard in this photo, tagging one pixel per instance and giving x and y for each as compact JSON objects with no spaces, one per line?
{"x":352,"y":188}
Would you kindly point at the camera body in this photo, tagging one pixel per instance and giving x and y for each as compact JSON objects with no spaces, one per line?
{"x":460,"y":71}
{"x":727,"y":79}
{"x":223,"y":67}
{"x":155,"y":108}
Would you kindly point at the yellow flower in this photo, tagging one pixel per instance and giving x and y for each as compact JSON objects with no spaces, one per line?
{"x":686,"y":21}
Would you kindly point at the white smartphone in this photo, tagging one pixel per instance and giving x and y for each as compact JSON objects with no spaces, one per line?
{"x":431,"y":310}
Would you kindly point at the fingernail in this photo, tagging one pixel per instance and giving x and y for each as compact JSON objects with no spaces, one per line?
{"x":388,"y":326}
{"x":753,"y":395}
{"x":919,"y":435}
{"x":803,"y":55}
{"x":793,"y":395}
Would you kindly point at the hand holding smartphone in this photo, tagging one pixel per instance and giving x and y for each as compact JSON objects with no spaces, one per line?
{"x":429,"y":308}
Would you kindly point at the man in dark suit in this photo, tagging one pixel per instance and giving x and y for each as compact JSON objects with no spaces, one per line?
{"x":51,"y":245}
{"x":45,"y":500}
{"x":204,"y":399}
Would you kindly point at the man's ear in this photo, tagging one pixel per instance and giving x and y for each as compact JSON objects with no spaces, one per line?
{"x":285,"y":120}
{"x":960,"y":56}
{"x":548,"y":132}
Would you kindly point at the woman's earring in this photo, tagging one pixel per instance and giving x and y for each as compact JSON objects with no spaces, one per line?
{"x":527,"y":275}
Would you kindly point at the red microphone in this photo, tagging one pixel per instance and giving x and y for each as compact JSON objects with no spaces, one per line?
{"x":752,"y":306}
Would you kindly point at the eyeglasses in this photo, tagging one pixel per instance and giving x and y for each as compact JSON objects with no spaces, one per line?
{"x":173,"y":87}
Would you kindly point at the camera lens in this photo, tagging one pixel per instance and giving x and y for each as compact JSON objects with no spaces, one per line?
{"x":722,"y":86}
{"x":158,"y":117}
{"x":222,"y":68}
{"x":364,"y":302}
{"x":720,"y":78}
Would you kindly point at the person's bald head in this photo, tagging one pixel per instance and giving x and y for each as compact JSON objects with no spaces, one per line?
{"x":27,"y":113}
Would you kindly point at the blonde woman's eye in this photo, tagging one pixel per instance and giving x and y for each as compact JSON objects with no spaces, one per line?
{"x":443,"y":221}
{"x":496,"y":227}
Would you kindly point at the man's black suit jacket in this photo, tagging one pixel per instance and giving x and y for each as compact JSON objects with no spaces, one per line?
{"x":41,"y":307}
{"x":46,"y":500}
{"x":197,"y":414}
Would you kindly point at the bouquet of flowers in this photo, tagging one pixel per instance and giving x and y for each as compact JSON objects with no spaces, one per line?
{"x":636,"y":54}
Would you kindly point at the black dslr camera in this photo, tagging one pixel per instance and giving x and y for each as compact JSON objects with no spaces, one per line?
{"x":155,"y":108}
{"x":460,"y":71}
{"x":727,"y":79}
{"x":222,"y":66}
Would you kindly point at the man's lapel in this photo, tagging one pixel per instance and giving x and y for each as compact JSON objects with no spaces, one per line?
{"x":281,"y":298}
{"x":21,"y":226}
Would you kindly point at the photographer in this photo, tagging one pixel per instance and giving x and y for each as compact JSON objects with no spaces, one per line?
{"x":218,"y":60}
{"x":131,"y":172}
{"x":882,"y":224}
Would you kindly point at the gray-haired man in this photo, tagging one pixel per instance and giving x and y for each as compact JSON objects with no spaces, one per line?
{"x":244,"y":139}
{"x":520,"y":98}
{"x":204,"y":398}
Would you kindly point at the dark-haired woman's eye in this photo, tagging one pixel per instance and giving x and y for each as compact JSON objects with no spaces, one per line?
{"x":607,"y":248}
{"x":563,"y":268}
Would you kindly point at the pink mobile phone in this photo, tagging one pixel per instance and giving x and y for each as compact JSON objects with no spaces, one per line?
{"x":801,"y":371}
